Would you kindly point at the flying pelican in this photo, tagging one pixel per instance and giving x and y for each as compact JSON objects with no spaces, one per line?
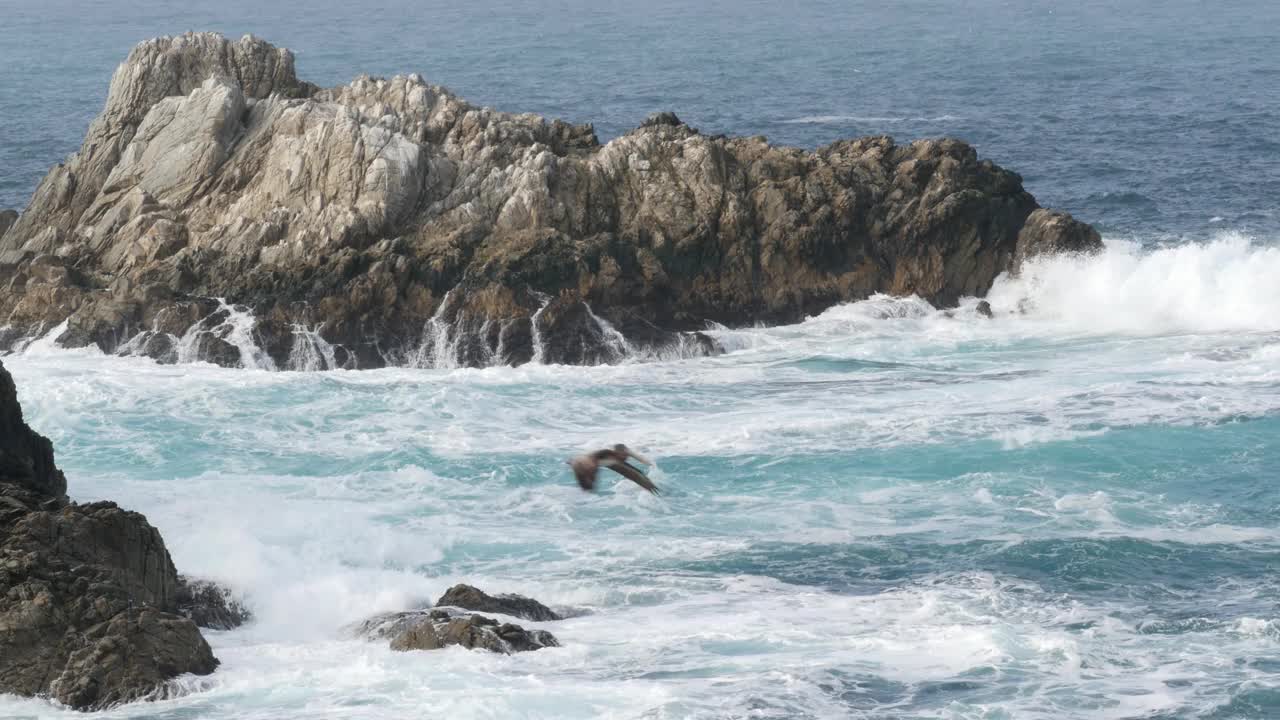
{"x":586,"y":466}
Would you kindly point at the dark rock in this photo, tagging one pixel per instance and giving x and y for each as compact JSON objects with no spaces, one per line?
{"x":26,"y":458}
{"x":475,"y":237}
{"x":130,"y":657}
{"x":467,"y":597}
{"x":984,"y":309}
{"x":7,"y":219}
{"x":213,"y":349}
{"x":1049,"y":232}
{"x":209,"y":605}
{"x":87,"y":592}
{"x":661,"y":118}
{"x":435,"y":629}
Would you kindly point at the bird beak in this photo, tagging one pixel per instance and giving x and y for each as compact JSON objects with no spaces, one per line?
{"x":641,"y":458}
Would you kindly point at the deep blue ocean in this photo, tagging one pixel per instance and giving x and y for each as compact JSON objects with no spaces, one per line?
{"x":886,"y":511}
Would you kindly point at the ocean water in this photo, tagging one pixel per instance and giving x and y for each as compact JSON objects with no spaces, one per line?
{"x":886,"y":511}
{"x":1150,"y":119}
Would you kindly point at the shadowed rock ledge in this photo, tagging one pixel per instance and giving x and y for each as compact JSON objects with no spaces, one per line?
{"x":88,"y":593}
{"x":221,"y":209}
{"x":468,"y":597}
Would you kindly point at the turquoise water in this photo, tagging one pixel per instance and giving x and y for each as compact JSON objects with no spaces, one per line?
{"x":886,"y":511}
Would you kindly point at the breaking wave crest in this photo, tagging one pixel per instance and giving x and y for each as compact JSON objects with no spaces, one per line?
{"x":1229,"y":284}
{"x":887,"y":510}
{"x":1225,"y":285}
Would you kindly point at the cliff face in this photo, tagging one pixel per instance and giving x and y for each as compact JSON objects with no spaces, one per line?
{"x":27,"y":472}
{"x":87,"y":592}
{"x":388,"y":221}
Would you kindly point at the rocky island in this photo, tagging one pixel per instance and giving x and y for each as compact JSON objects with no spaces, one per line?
{"x":221,"y":209}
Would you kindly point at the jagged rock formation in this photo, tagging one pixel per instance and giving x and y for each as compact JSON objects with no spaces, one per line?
{"x":439,"y":628}
{"x":388,"y":221}
{"x":468,"y":597}
{"x":87,"y":592}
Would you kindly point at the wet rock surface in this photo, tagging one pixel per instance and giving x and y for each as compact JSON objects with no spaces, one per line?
{"x":87,"y":591}
{"x":468,"y":597}
{"x":423,"y":230}
{"x":439,"y":628}
{"x":209,"y":605}
{"x":1050,"y":232}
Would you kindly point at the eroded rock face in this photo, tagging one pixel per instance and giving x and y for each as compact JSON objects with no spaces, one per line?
{"x":468,"y":597}
{"x":438,"y":628}
{"x":388,"y":221}
{"x":86,"y":591}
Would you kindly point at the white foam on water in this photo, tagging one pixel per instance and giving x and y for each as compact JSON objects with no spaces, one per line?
{"x":439,"y":347}
{"x":614,"y":341}
{"x":310,"y":352}
{"x":47,"y":343}
{"x":535,"y":331}
{"x":1224,"y":285}
{"x":236,"y":328}
{"x":785,"y":572}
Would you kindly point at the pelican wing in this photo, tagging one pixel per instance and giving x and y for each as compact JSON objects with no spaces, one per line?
{"x":634,"y":475}
{"x":585,"y":471}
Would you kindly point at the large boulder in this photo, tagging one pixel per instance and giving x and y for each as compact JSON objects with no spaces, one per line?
{"x":439,"y":628}
{"x":129,"y":656}
{"x":87,"y":591}
{"x":468,"y":597}
{"x":389,"y":221}
{"x":1052,"y":232}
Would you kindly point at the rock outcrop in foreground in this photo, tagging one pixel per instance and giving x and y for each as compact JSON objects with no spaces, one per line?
{"x":440,"y":628}
{"x":388,"y":221}
{"x":447,"y":624}
{"x":87,"y":592}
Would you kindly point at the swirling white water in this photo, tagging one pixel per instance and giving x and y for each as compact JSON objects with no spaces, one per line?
{"x":886,"y":511}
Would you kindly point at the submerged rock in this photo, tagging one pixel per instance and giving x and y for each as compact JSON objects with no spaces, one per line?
{"x":389,"y":221}
{"x":467,"y":597}
{"x":438,"y":628}
{"x":209,"y":605}
{"x":87,"y":592}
